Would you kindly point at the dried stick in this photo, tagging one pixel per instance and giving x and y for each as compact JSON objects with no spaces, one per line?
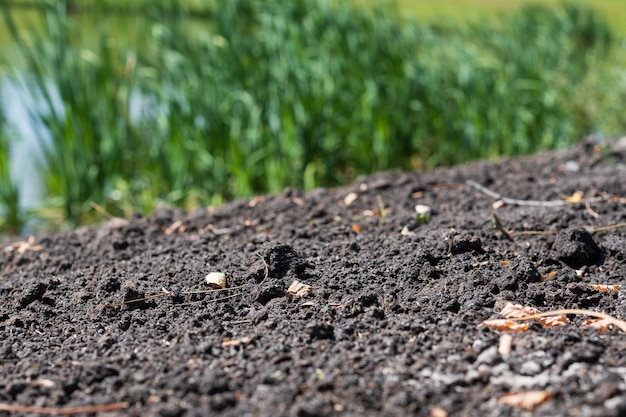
{"x":64,"y":411}
{"x":516,"y":202}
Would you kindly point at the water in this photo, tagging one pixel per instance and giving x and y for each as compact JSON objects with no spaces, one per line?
{"x":27,"y":140}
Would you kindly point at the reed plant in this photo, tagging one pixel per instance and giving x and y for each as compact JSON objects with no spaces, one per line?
{"x":11,"y":215}
{"x":267,"y":94}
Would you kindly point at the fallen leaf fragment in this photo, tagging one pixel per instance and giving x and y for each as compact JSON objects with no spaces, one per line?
{"x":550,"y":275}
{"x":517,"y":311}
{"x":577,"y":197}
{"x":553,"y":321}
{"x":600,"y":325}
{"x":528,"y":400}
{"x":299,"y":289}
{"x":235,"y":342}
{"x":599,"y":287}
{"x":506,"y":325}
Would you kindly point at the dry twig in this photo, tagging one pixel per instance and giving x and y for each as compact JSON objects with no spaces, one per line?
{"x":165,"y":293}
{"x":64,"y":411}
{"x":516,"y":202}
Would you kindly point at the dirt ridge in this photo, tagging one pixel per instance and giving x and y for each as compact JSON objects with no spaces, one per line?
{"x":391,"y":323}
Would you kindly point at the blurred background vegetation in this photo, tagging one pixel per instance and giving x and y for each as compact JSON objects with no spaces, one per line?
{"x":197,"y":102}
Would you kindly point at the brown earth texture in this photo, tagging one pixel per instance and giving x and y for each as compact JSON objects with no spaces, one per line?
{"x":389,"y":319}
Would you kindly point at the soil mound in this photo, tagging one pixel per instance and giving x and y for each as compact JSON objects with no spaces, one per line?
{"x":386,"y":316}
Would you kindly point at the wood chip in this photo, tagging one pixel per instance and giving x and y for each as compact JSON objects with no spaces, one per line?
{"x":299,"y":289}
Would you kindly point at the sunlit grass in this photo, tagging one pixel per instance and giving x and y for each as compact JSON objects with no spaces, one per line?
{"x":461,"y":11}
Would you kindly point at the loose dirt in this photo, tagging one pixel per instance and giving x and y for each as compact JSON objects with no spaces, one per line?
{"x":120,"y":317}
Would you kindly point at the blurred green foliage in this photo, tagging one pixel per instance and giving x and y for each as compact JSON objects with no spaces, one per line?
{"x":267,"y":94}
{"x":11,"y":217}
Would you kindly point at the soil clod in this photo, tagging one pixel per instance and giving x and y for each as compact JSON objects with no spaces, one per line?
{"x":32,"y":292}
{"x":576,"y":248}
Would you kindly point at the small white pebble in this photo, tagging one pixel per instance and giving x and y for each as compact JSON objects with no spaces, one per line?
{"x":422,"y":209}
{"x":216,"y":280}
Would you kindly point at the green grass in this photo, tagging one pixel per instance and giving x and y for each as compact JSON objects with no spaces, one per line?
{"x":11,"y":217}
{"x":462,"y":11}
{"x":268,"y":94}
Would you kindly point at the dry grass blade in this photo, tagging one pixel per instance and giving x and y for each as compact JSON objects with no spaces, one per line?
{"x":165,"y":293}
{"x":516,"y":202}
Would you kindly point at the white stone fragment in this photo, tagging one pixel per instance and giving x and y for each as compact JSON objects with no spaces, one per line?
{"x":216,"y":280}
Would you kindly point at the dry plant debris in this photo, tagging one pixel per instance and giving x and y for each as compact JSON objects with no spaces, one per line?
{"x":602,"y":288}
{"x":236,"y":342}
{"x":66,"y":411}
{"x":176,"y":227}
{"x":517,"y":202}
{"x":299,"y":289}
{"x":514,"y":313}
{"x":504,"y":324}
{"x":601,"y":325}
{"x":576,"y":197}
{"x":528,"y":400}
{"x":24,"y":246}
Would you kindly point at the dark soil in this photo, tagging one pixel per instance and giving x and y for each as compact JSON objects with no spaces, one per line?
{"x":391,"y":326}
